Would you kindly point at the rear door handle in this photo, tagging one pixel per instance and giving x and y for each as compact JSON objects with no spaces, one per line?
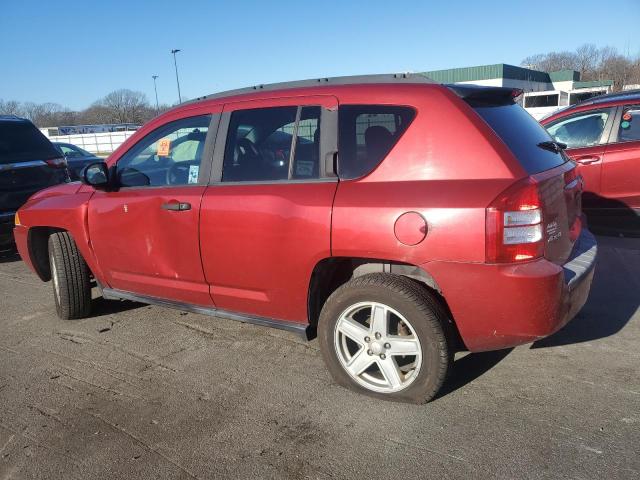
{"x":176,"y":206}
{"x":588,"y":159}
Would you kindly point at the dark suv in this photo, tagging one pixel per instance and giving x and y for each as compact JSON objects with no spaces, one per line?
{"x":28,"y":163}
{"x":399,"y":219}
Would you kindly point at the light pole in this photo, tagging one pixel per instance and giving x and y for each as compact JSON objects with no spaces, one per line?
{"x":155,"y":88}
{"x":175,"y":64}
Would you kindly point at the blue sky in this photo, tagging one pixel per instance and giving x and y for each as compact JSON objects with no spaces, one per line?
{"x":74,"y":52}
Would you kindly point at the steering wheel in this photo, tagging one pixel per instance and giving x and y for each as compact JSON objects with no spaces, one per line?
{"x":178,"y":173}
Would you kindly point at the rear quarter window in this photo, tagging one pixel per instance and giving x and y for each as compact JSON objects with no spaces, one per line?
{"x":522,"y":134}
{"x":366,"y":134}
{"x":21,"y":141}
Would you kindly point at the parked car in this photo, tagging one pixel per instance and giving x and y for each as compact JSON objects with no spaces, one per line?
{"x":77,"y":158}
{"x":415,"y":219}
{"x":602,"y":134}
{"x":28,"y":163}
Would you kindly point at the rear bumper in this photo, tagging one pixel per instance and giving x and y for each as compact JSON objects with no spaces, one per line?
{"x":6,"y":228}
{"x":502,"y":306}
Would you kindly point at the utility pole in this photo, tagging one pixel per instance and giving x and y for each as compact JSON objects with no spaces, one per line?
{"x":156,"y":90}
{"x":175,"y":64}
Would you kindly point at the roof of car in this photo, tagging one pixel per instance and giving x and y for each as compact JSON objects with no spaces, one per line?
{"x":318,"y":82}
{"x":625,"y":95}
{"x":12,"y":118}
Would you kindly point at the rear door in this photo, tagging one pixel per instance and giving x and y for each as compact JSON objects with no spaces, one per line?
{"x":266,"y":216}
{"x":28,"y":163}
{"x":621,"y":166}
{"x":145,"y":234}
{"x":585,"y":134}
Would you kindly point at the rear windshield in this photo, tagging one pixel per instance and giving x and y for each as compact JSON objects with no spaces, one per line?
{"x":522,"y":134}
{"x":21,"y":141}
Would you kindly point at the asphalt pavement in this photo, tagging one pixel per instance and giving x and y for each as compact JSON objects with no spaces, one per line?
{"x":148,"y":392}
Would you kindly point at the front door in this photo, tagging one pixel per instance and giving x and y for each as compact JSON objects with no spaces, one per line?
{"x":145,"y":234}
{"x":585,"y":134}
{"x":266,"y":217}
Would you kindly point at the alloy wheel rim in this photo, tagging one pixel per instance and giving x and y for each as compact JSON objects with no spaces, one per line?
{"x":377,"y":347}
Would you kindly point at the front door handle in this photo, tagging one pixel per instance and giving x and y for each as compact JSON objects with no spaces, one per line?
{"x":176,"y":206}
{"x":588,"y":159}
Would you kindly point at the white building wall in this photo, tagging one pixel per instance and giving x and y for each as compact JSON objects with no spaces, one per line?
{"x":105,"y":142}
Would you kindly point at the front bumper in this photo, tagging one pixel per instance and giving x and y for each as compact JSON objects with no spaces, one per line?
{"x":502,"y":306}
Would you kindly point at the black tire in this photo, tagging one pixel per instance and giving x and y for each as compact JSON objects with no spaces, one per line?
{"x":71,"y":285}
{"x":423,"y":311}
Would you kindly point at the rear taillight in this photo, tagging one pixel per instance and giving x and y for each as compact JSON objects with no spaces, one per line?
{"x":60,"y":162}
{"x":514,"y":230}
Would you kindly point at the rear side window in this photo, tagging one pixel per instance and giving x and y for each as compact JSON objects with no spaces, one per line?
{"x":629,"y":129}
{"x":21,"y":141}
{"x":273,"y":144}
{"x":522,"y":134}
{"x":367,"y":133}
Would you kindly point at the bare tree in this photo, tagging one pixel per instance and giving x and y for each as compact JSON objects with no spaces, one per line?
{"x":125,"y":106}
{"x":10,"y":107}
{"x":593,"y":63}
{"x":587,"y":60}
{"x":550,"y":62}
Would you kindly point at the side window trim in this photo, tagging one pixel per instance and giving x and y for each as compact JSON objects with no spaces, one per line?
{"x":328,"y":147}
{"x":219,"y":148}
{"x":294,"y":143}
{"x":329,"y":142}
{"x":205,"y":162}
{"x":610,"y":134}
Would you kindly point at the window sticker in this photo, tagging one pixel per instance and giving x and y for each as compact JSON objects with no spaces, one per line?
{"x":194,"y":170}
{"x":164,"y":146}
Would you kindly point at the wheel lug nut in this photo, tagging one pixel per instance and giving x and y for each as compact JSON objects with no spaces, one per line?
{"x":378,"y":335}
{"x":367,"y":339}
{"x":369,"y":352}
{"x":387,"y":346}
{"x":383,"y":356}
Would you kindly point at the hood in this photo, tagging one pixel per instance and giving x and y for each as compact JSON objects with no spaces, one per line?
{"x":70,"y":188}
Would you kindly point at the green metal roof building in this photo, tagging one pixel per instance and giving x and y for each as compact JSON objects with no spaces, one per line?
{"x":544,"y":91}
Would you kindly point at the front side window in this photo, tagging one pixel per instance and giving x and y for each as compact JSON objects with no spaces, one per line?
{"x":366,"y":134}
{"x":582,"y":130}
{"x":170,"y":155}
{"x":629,"y":129}
{"x":270,"y":144}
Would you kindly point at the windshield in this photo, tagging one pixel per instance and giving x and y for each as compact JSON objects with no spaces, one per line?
{"x":21,"y":141}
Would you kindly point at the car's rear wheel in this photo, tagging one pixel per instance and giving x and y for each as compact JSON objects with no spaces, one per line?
{"x":386,"y":336}
{"x":70,"y":277}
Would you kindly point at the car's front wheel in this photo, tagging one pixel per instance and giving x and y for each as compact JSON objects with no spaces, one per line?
{"x":70,"y":277}
{"x":386,"y":336}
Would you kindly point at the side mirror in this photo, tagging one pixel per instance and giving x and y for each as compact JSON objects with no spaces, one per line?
{"x":96,"y":174}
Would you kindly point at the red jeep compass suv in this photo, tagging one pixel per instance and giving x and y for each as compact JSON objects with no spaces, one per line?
{"x":398,"y":218}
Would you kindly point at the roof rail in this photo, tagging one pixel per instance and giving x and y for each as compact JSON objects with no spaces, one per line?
{"x":11,"y":117}
{"x":607,"y":97}
{"x":347,"y":80}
